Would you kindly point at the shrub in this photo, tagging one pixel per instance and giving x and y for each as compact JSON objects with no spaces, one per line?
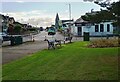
{"x":104,"y":43}
{"x":17,"y":29}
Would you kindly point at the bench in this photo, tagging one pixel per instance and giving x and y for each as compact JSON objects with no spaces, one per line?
{"x":50,"y":43}
{"x":58,"y":42}
{"x":53,"y":43}
{"x":67,"y":39}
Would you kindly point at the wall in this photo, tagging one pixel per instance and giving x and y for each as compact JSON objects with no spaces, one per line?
{"x":93,"y":33}
{"x":74,"y":30}
{"x":91,"y":29}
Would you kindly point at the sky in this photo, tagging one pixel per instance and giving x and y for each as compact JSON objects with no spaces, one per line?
{"x":41,"y":13}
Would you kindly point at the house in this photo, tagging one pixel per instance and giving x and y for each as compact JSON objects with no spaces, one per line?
{"x":95,"y":29}
{"x":57,"y":22}
{"x":7,"y":23}
{"x":4,"y":26}
{"x":11,"y":25}
{"x":62,"y":24}
{"x":66,"y":24}
{"x":11,"y":20}
{"x":25,"y":26}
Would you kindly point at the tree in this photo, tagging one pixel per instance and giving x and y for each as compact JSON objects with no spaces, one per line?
{"x":17,"y":29}
{"x":114,"y":10}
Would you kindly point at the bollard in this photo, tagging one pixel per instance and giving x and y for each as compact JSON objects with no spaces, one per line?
{"x":12,"y":40}
{"x":86,"y":36}
{"x":107,"y":36}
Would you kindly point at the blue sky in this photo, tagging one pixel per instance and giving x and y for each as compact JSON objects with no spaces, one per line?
{"x":43,"y":13}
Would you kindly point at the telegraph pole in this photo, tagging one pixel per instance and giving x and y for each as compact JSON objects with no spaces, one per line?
{"x":70,"y":11}
{"x":69,"y":34}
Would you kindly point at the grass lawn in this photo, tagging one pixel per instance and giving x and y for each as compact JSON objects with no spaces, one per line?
{"x":71,"y":62}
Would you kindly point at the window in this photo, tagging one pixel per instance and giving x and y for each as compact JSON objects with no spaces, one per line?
{"x":96,"y":28}
{"x":101,"y":28}
{"x":108,"y":27}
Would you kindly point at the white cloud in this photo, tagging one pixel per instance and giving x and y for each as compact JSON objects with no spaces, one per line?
{"x":20,"y":1}
{"x":36,"y":17}
{"x":43,"y":0}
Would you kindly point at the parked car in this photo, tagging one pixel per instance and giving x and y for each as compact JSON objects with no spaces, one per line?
{"x":1,"y":38}
{"x":41,"y":28}
{"x":51,"y":31}
{"x":4,"y":37}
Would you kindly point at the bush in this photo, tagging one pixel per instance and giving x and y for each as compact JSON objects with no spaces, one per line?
{"x":17,"y":29}
{"x":32,"y":29}
{"x":104,"y":43}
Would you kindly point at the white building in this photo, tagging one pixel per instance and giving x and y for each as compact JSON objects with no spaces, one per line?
{"x":101,"y":29}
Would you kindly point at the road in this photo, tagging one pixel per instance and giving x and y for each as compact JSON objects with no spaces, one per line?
{"x":41,"y":36}
{"x":10,"y":53}
{"x":38,"y":37}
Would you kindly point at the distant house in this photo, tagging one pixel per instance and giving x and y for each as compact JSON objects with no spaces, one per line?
{"x":24,"y":26}
{"x":4,"y":26}
{"x":18,"y":23}
{"x":66,"y":23}
{"x":11,"y":20}
{"x":11,"y":25}
{"x":62,"y":24}
{"x":95,"y":29}
{"x":57,"y":22}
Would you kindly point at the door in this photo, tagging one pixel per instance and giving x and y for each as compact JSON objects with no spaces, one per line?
{"x":79,"y":31}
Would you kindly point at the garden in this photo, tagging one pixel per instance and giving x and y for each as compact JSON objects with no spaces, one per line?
{"x":72,"y":61}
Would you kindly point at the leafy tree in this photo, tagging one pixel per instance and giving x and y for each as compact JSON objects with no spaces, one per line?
{"x":103,"y":15}
{"x":114,"y":9}
{"x":17,"y":29}
{"x":112,"y":12}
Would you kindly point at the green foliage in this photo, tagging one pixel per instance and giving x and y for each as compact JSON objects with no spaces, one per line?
{"x":71,"y":62}
{"x":32,"y":29}
{"x":98,"y":17}
{"x":60,"y":29}
{"x":115,"y":9}
{"x":112,"y":13}
{"x":17,"y":29}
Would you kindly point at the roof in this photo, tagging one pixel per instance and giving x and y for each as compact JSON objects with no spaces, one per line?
{"x":67,"y":20}
{"x":18,"y":23}
{"x":80,"y":20}
{"x":10,"y":18}
{"x":4,"y":17}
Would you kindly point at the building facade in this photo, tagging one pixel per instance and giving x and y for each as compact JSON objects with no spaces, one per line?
{"x":94,"y":29}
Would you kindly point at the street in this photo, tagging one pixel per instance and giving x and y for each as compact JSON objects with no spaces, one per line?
{"x":10,"y":53}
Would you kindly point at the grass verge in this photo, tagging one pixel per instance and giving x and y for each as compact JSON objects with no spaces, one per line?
{"x":71,"y":62}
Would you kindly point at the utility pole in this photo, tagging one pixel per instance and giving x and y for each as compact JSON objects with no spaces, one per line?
{"x":69,"y":34}
{"x":70,"y":11}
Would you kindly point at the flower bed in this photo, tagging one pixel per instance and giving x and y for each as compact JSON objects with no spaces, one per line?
{"x":104,"y":43}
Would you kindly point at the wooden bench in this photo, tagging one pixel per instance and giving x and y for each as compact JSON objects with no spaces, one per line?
{"x":53,"y":43}
{"x":58,"y":42}
{"x":50,"y":43}
{"x":67,"y":39}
